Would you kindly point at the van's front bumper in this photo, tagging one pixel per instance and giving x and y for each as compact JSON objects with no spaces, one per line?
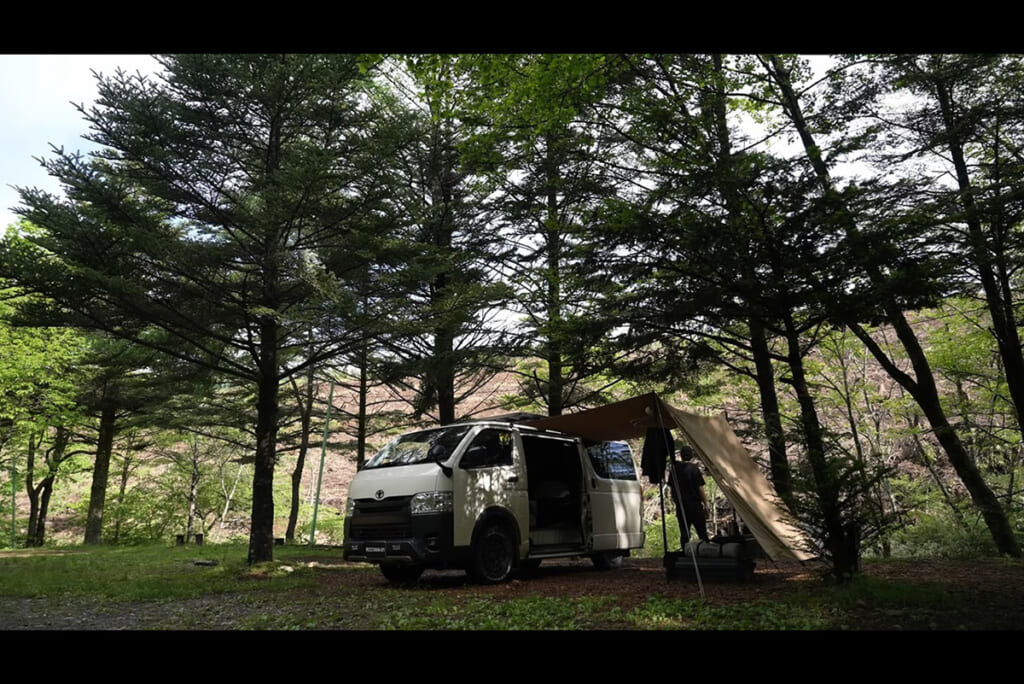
{"x":420,"y":540}
{"x":411,"y":551}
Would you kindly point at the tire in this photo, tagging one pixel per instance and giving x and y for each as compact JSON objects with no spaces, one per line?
{"x":607,"y":560}
{"x":401,"y":574}
{"x":494,"y":555}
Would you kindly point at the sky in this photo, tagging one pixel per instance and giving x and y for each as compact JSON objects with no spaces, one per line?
{"x":36,"y":110}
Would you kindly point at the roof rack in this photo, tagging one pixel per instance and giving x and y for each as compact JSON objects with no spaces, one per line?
{"x":518,"y":417}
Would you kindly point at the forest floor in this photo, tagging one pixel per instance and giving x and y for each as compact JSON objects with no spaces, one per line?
{"x":960,"y":595}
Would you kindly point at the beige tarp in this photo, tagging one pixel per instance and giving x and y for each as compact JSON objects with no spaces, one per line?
{"x":718,"y":448}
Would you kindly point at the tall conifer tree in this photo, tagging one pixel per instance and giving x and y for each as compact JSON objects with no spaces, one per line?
{"x":202,"y":225}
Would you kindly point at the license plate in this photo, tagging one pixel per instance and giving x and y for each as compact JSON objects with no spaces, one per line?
{"x":375,"y":549}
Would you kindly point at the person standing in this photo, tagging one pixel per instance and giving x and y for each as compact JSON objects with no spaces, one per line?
{"x":688,"y":493}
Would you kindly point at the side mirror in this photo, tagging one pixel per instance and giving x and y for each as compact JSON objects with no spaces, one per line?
{"x":438,"y":453}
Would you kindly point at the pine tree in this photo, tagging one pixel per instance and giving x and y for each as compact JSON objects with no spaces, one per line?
{"x":202,"y":226}
{"x":443,"y":284}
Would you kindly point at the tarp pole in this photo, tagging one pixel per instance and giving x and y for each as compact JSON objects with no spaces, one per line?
{"x":664,"y":527}
{"x":686,"y":526}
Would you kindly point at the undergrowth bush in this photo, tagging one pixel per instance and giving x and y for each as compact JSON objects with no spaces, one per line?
{"x":935,"y":529}
{"x":938,"y":536}
{"x":654,"y":544}
{"x":139,"y":518}
{"x":330,"y":526}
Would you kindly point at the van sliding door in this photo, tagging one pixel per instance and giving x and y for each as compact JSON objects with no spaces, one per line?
{"x":615,"y":496}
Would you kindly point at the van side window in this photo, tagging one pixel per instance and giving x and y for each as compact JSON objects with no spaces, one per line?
{"x":612,"y":460}
{"x":490,"y":448}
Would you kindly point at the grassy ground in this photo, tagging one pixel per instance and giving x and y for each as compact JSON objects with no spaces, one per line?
{"x":211,"y":587}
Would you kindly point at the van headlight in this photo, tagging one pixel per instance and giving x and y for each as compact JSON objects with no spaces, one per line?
{"x":350,"y":507}
{"x":431,"y":502}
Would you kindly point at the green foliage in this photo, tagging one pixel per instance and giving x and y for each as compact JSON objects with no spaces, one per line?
{"x":330,"y":524}
{"x":146,"y":515}
{"x":529,"y":95}
{"x":934,"y":534}
{"x":654,"y":541}
{"x":962,"y":352}
{"x":861,"y":509}
{"x":935,"y":526}
{"x":548,"y":169}
{"x":39,"y":374}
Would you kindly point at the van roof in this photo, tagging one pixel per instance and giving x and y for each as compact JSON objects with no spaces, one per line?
{"x":515,"y":419}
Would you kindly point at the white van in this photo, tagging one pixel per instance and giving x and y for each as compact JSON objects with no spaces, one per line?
{"x":491,"y":497}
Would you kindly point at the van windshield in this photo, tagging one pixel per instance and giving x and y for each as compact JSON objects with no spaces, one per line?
{"x":424,"y":446}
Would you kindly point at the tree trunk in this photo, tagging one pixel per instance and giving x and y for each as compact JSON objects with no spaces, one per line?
{"x":927,"y":462}
{"x":776,"y":436}
{"x":121,"y":489}
{"x":361,"y":416}
{"x":43,"y":492}
{"x":101,"y":471}
{"x":261,"y":531}
{"x":261,"y":534}
{"x":553,"y":240}
{"x":841,"y":539}
{"x":305,"y":401}
{"x":39,"y":496}
{"x":193,"y":488}
{"x":30,"y":490}
{"x":444,"y":348}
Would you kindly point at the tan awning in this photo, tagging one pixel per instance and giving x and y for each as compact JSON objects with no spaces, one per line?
{"x":718,"y":448}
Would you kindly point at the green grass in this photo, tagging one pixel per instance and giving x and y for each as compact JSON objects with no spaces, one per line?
{"x":213,"y":587}
{"x":528,"y":613}
{"x":660,"y":613}
{"x":138,"y":573}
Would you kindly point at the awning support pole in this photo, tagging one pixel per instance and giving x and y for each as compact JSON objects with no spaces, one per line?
{"x":670,"y":449}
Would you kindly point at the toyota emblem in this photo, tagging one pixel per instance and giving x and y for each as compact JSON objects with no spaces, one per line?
{"x":379,"y":494}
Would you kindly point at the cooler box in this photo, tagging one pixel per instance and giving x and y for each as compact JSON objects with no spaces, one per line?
{"x":729,"y":559}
